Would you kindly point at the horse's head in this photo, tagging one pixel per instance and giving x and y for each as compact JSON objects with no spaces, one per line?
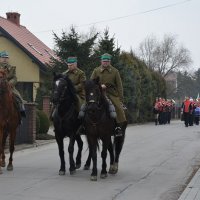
{"x":3,"y":81}
{"x":63,"y":89}
{"x":93,"y":92}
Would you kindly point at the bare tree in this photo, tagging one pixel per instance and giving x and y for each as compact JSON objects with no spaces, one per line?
{"x":164,"y":56}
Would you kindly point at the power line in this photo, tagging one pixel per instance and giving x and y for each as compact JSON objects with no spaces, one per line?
{"x":139,"y":13}
{"x":126,"y":16}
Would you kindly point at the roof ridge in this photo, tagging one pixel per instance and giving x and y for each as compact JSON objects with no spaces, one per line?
{"x":23,"y":37}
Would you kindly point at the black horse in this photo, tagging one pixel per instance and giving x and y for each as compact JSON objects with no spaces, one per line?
{"x":100,"y":125}
{"x":65,"y":120}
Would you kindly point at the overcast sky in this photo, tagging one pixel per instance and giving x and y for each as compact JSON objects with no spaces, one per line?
{"x":131,"y":21}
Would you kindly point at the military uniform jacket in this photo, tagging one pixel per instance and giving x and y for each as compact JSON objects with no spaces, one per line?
{"x":111,"y":78}
{"x":11,"y":73}
{"x":12,"y":78}
{"x":77,"y":77}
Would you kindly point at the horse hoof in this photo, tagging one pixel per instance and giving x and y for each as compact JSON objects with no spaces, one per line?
{"x":115,"y":169}
{"x":112,"y":170}
{"x":86,"y":167}
{"x":93,"y":178}
{"x":10,"y":168}
{"x":72,"y":172}
{"x":61,"y":173}
{"x":78,"y":166}
{"x":103,"y":176}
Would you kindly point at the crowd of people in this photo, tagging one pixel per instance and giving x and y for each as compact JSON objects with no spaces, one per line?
{"x":190,"y":111}
{"x":162,"y":110}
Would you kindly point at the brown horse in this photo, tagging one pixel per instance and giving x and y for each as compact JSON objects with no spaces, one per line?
{"x":9,"y":119}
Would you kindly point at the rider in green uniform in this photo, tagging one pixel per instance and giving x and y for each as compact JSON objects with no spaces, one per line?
{"x":12,"y":79}
{"x":111,"y":81}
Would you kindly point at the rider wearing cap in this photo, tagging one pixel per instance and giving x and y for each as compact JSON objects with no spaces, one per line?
{"x":112,"y":83}
{"x":12,"y":79}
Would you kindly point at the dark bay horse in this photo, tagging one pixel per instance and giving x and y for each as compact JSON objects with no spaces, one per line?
{"x":9,"y":119}
{"x":100,"y":126}
{"x":65,"y":120}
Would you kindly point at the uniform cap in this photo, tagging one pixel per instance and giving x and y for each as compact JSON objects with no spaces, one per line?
{"x":106,"y":57}
{"x":4,"y":54}
{"x":72,"y":60}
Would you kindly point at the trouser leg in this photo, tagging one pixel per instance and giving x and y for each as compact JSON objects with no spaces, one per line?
{"x":20,"y":105}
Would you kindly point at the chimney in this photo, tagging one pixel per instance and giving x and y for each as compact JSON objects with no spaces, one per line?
{"x":14,"y":17}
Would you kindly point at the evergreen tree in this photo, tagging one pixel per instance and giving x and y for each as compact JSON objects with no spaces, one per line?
{"x":185,"y":86}
{"x":73,"y":44}
{"x":131,"y":82}
{"x":107,"y":45}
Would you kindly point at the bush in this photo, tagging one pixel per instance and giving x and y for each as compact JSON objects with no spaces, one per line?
{"x":42,"y":122}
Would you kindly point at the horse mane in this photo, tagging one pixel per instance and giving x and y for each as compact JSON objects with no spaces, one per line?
{"x":71,"y":88}
{"x":70,"y":85}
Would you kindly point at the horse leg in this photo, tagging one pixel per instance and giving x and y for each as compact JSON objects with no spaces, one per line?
{"x":72,"y":167}
{"x":119,"y":141}
{"x":79,"y":154}
{"x":119,"y":145}
{"x":3,"y":163}
{"x":112,"y":158}
{"x":104,"y":156}
{"x":88,"y":161}
{"x":93,"y":148}
{"x":12,"y":149}
{"x":59,"y":140}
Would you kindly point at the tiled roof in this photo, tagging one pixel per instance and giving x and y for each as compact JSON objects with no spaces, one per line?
{"x":29,"y":42}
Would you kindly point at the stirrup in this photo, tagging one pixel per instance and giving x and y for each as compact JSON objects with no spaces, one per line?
{"x":118,"y":131}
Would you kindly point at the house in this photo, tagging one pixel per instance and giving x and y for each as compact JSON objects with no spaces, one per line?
{"x":30,"y":55}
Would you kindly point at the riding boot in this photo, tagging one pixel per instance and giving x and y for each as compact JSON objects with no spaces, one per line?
{"x":22,"y":110}
{"x":156,"y":121}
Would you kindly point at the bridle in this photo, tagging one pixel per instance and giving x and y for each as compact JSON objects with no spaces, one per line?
{"x":59,"y":96}
{"x":93,"y":103}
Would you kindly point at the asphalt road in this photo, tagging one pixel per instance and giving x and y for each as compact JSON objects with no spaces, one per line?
{"x":155,"y":164}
